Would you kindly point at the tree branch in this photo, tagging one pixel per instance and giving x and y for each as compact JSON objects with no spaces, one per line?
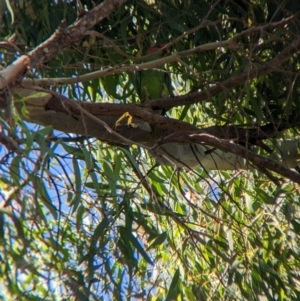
{"x":192,"y":98}
{"x":227,"y":146}
{"x":80,"y":118}
{"x":229,"y":44}
{"x":62,"y":38}
{"x":165,"y":124}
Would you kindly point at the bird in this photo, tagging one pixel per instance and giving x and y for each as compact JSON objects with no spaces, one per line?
{"x":155,"y":84}
{"x":151,"y":83}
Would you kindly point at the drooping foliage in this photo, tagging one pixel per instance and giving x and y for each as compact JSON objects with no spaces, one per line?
{"x":83,"y":219}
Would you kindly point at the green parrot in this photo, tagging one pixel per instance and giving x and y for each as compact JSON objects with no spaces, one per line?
{"x":151,"y":84}
{"x":155,"y":84}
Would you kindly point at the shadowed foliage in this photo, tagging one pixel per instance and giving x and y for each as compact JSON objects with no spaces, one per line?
{"x":86,"y":211}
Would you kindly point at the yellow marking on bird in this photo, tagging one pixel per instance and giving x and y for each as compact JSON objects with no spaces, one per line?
{"x":129,"y":121}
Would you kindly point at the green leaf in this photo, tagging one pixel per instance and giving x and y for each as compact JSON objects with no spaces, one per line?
{"x":78,"y":185}
{"x":102,"y":226}
{"x":159,"y":240}
{"x":264,"y":197}
{"x":140,"y":249}
{"x":110,"y":84}
{"x":45,"y":198}
{"x":174,"y":288}
{"x":1,"y":226}
{"x":79,"y":217}
{"x":89,"y":161}
{"x":73,"y":151}
{"x":296,"y":226}
{"x":15,"y":170}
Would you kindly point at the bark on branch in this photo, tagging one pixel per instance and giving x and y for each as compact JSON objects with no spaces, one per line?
{"x":234,"y":81}
{"x":62,"y":38}
{"x":227,"y":146}
{"x":165,"y":124}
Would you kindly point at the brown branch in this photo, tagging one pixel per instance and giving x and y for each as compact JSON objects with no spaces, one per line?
{"x":62,"y":38}
{"x":192,"y":135}
{"x":166,"y":124}
{"x":131,"y":68}
{"x":10,"y":144}
{"x":229,"y":44}
{"x":65,"y":37}
{"x":226,"y":146}
{"x":192,"y":98}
